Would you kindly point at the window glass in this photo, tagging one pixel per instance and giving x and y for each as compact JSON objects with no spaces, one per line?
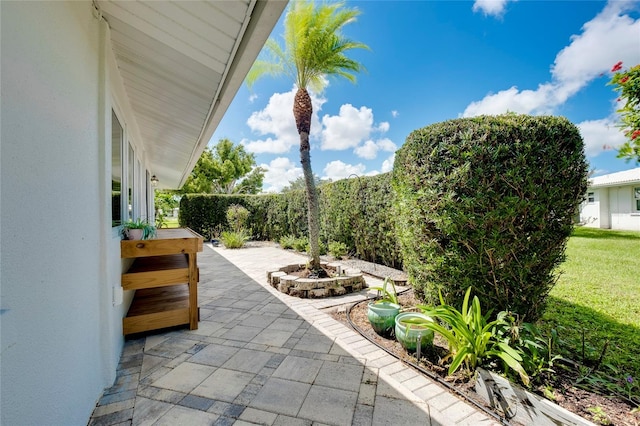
{"x":148,"y":194}
{"x":591,"y":197}
{"x":117,"y":137}
{"x":636,"y":194}
{"x":138,"y":200}
{"x":130,"y":184}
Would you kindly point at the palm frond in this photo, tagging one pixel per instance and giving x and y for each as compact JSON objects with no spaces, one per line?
{"x":314,"y":47}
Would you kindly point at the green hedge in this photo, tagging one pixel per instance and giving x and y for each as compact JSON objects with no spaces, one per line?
{"x":488,"y":202}
{"x":356,"y":212}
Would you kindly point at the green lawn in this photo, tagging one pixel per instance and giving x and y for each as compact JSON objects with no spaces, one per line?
{"x":171,"y":222}
{"x":598,"y":294}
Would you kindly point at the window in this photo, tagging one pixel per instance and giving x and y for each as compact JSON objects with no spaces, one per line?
{"x":148,"y":194}
{"x":636,"y":195}
{"x":130,"y":181}
{"x":117,"y":138}
{"x":591,"y":197}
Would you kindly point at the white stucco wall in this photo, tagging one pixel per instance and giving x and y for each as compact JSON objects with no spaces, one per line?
{"x":60,"y":335}
{"x":623,"y":214}
{"x":590,"y":212}
{"x":613,"y":208}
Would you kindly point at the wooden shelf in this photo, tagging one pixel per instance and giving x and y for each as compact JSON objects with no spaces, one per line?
{"x":164,"y":276}
{"x":156,"y":271}
{"x":154,"y":308}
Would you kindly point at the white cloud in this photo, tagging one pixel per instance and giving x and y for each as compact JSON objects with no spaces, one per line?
{"x":347,"y":129}
{"x":387,"y":165}
{"x":277,"y":119}
{"x":252,"y":98}
{"x":608,"y":38}
{"x":394,"y":113}
{"x":369,"y":150}
{"x":386,"y":145}
{"x":384,"y":127}
{"x":269,"y":145}
{"x":279,"y":172}
{"x":600,"y":135}
{"x":490,"y":7}
{"x":336,"y":170}
{"x":513,"y":100}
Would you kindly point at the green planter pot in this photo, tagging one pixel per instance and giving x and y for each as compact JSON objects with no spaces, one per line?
{"x":382,"y":315}
{"x":408,"y":334}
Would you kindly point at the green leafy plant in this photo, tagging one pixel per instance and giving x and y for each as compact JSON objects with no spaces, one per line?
{"x":148,"y":230}
{"x":337,"y":249}
{"x":599,"y":416}
{"x":384,"y":294}
{"x":472,"y":339}
{"x":300,"y":244}
{"x":627,"y":84}
{"x":610,"y":380}
{"x":287,"y":241}
{"x":321,"y":246}
{"x":237,"y":216}
{"x":537,"y":350}
{"x":233,"y":240}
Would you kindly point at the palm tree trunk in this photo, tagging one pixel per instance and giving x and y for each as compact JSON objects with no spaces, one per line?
{"x":312,"y":203}
{"x":302,"y":111}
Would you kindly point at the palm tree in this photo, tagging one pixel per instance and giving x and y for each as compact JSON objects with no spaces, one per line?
{"x":314,"y":49}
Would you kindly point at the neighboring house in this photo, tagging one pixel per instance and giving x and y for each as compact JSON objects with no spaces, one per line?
{"x":97,"y":97}
{"x":613,"y":201}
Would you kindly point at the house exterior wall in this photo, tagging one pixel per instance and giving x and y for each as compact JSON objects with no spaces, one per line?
{"x":61,"y":300}
{"x":623,"y":214}
{"x":591,"y":212}
{"x":613,"y":208}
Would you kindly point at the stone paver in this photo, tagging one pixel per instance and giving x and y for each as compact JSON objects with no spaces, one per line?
{"x":260,"y":357}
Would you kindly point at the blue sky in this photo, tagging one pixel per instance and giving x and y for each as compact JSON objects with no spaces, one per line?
{"x":432,"y":61}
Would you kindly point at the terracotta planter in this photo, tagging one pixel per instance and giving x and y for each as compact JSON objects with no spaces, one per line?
{"x":409,"y":334}
{"x":382,"y":316}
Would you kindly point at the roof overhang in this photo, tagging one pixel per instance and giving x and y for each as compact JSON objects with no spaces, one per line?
{"x":626,"y":177}
{"x":182,"y":63}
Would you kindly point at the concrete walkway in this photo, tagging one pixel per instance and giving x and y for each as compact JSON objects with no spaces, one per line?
{"x":262,"y":357}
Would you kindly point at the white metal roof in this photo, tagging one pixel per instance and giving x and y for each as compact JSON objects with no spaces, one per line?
{"x":182,"y":63}
{"x":615,"y":179}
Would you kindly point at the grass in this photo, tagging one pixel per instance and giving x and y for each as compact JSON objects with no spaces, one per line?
{"x":598,"y":296}
{"x":171,"y":222}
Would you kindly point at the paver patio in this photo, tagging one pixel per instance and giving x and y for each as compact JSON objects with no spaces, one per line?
{"x":263,"y":357}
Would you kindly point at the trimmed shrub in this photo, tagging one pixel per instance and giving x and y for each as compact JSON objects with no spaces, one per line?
{"x":337,"y":249}
{"x":356,"y":212}
{"x":237,"y":217}
{"x":488,"y":202}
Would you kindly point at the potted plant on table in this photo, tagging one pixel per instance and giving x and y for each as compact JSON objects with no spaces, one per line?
{"x":138,"y":229}
{"x":383,"y":311}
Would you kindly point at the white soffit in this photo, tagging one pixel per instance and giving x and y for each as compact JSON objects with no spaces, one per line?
{"x":182,"y":63}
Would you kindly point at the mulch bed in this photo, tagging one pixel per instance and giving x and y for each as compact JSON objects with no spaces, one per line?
{"x":597,"y":408}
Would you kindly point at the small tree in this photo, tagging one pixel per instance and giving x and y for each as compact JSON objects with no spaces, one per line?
{"x":627,"y":83}
{"x":225,"y":169}
{"x":314,"y":48}
{"x":237,"y":217}
{"x":299,"y":184}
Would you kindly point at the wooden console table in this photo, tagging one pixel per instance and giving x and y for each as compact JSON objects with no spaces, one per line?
{"x":165,"y":278}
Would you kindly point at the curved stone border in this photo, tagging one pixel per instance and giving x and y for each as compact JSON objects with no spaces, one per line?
{"x":348,"y":280}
